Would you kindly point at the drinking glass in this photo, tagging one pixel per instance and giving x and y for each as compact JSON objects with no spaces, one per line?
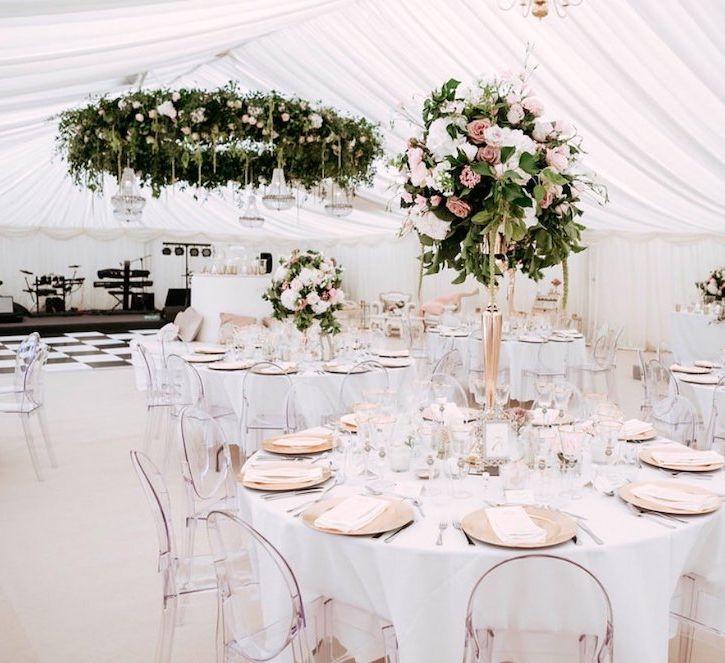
{"x":502,"y":395}
{"x":456,"y":465}
{"x":570,"y":456}
{"x":561,"y":394}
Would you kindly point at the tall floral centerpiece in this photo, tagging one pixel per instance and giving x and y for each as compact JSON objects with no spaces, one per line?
{"x":490,"y":184}
{"x":306,"y":287}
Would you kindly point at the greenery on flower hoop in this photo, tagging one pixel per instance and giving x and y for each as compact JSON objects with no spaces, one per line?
{"x":489,"y":185}
{"x":307,"y":287}
{"x":208,"y":138}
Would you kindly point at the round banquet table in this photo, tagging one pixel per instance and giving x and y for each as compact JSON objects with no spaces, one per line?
{"x":696,"y":336}
{"x":423,"y":589}
{"x":516,"y":356}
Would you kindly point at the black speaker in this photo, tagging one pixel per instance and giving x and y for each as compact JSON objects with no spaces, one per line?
{"x":54,"y":305}
{"x":268,"y":258}
{"x":142,"y":301}
{"x":178,"y":297}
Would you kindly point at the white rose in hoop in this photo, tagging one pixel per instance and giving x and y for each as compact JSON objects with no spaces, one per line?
{"x":316,"y":120}
{"x":313,"y":298}
{"x":289,"y":299}
{"x":542,"y":129}
{"x":306,"y":276}
{"x":167,"y":109}
{"x":515,"y":114}
{"x":494,"y":135}
{"x":320,"y":306}
{"x":280,"y":273}
{"x":429,"y":224}
{"x":296,"y":284}
{"x":439,"y":141}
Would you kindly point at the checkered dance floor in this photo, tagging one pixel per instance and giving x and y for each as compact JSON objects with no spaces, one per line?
{"x":77,"y":351}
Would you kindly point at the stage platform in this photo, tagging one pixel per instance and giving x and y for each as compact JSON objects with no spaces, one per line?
{"x":68,"y":323}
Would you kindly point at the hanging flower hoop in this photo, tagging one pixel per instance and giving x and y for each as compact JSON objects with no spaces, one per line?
{"x":207,"y":138}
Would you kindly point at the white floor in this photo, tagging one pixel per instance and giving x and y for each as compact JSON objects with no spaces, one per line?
{"x":78,"y":580}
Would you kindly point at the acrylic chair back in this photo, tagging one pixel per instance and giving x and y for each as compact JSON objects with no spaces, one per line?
{"x":444,"y":386}
{"x":715,"y":432}
{"x":365,"y":377}
{"x":24,"y":355}
{"x":675,"y":418}
{"x":185,"y":385}
{"x":659,"y":381}
{"x":260,"y":604}
{"x":309,"y":406}
{"x":539,"y":609}
{"x":33,"y":380}
{"x":205,"y":459}
{"x":157,"y":496}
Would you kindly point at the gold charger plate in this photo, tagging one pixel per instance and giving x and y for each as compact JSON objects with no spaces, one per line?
{"x":210,"y":349}
{"x":395,"y":362}
{"x":345,"y":368}
{"x":292,"y":485}
{"x":202,"y":358}
{"x":642,"y":437}
{"x":625,"y":492}
{"x":273,"y":370}
{"x":559,"y":527}
{"x":556,"y":421}
{"x":646,"y":456}
{"x":396,"y":515}
{"x":326,"y":442}
{"x":230,"y":365}
{"x":690,"y":370}
{"x":349,"y":421}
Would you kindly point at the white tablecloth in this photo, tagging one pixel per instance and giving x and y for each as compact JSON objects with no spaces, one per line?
{"x":701,"y":396}
{"x":423,"y":589}
{"x":516,"y":356}
{"x":695,"y":336}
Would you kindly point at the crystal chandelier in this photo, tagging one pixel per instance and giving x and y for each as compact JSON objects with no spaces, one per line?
{"x":250,"y":216}
{"x":127,"y":203}
{"x":338,"y":201}
{"x":540,"y":8}
{"x":278,"y":195}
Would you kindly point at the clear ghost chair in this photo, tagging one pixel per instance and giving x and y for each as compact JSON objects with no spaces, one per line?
{"x":255,"y":415}
{"x":309,"y":405}
{"x":675,"y":418}
{"x":206,"y":468}
{"x":187,"y":388}
{"x":413,"y":333}
{"x":159,"y":402}
{"x":715,"y":432}
{"x":545,"y":369}
{"x":29,"y":402}
{"x":601,"y":362}
{"x":363,"y":376}
{"x":450,"y":363}
{"x":446,"y":386}
{"x":645,"y":407}
{"x":24,"y":355}
{"x":177,"y":580}
{"x":538,"y":609}
{"x":262,"y":614}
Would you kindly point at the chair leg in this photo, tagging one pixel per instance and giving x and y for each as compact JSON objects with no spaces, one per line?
{"x":166,"y":630}
{"x":148,"y":436}
{"x":46,"y":437}
{"x":25,"y":418}
{"x":189,"y":541}
{"x":169,"y":439}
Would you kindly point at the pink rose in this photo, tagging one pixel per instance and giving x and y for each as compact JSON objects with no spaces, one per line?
{"x":533,"y":105}
{"x":421,"y":200}
{"x":458,"y":207}
{"x":556,"y":160}
{"x":415,"y":156}
{"x":489,"y":153}
{"x":476,"y":129}
{"x":435,"y":201}
{"x":406,"y":197}
{"x":547,"y":199}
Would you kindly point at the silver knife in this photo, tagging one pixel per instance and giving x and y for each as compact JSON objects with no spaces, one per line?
{"x":586,"y":529}
{"x":392,"y":535}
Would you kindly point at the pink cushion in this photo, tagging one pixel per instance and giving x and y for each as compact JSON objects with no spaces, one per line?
{"x":189,"y":323}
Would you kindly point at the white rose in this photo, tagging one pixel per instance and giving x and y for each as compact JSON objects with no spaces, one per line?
{"x":564,"y":129}
{"x":295,"y":284}
{"x":517,"y":139}
{"x":515,"y":114}
{"x":175,"y":96}
{"x":197,"y":115}
{"x":289,"y":299}
{"x":494,"y":135}
{"x":167,"y":109}
{"x":430,"y":225}
{"x":313,"y":298}
{"x":139,"y":117}
{"x":121,"y":104}
{"x":136,"y":104}
{"x":316,"y":120}
{"x":712,"y":287}
{"x":439,"y":140}
{"x":542,"y":129}
{"x":306,"y":276}
{"x":320,"y":307}
{"x":280,"y":273}
{"x":470,"y":150}
{"x":530,"y":217}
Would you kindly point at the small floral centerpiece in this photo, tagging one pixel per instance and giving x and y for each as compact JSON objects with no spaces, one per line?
{"x":307,"y":288}
{"x":713,"y":287}
{"x":489,"y":184}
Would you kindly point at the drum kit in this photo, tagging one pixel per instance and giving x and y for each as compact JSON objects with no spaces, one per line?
{"x":56,"y":289}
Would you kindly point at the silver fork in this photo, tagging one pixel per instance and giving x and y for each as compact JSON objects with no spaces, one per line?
{"x":650,"y":516}
{"x":414,"y":501}
{"x":457,"y":525}
{"x":442,"y":527}
{"x":301,"y":507}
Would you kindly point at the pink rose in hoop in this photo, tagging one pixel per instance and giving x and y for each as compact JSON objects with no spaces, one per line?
{"x":476,"y":129}
{"x":458,"y":207}
{"x":490,"y":154}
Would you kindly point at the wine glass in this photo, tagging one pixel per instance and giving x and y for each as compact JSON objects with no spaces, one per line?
{"x":569,"y":455}
{"x":562,"y":394}
{"x":545,"y":391}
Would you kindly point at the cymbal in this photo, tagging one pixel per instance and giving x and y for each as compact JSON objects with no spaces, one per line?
{"x":25,"y":271}
{"x":73,"y":266}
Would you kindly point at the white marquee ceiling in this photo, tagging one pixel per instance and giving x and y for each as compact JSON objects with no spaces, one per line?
{"x":641,"y":79}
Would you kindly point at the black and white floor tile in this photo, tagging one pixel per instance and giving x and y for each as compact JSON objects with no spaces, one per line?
{"x":77,"y":351}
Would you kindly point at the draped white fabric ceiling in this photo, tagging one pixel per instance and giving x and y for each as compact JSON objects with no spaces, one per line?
{"x":640,"y":79}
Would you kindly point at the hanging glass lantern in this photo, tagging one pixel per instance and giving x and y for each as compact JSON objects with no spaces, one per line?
{"x":278,"y":195}
{"x":250,"y":216}
{"x":338,"y":201}
{"x":128,"y":204}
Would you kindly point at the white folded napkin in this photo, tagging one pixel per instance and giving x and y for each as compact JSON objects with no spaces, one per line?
{"x":635,"y":428}
{"x":352,"y":513}
{"x":679,"y":454}
{"x":453,"y":331}
{"x":539,"y":419}
{"x":673,"y":497}
{"x":530,"y":338}
{"x":452,"y":414}
{"x":307,"y":438}
{"x":281,"y":473}
{"x":679,"y":368}
{"x":286,"y":366}
{"x":513,"y":525}
{"x":395,"y":362}
{"x":568,"y":332}
{"x":382,"y":352}
{"x":704,"y":363}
